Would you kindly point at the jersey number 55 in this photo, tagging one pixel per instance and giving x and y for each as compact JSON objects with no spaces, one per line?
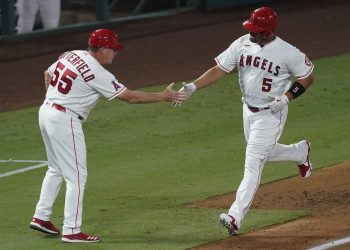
{"x":64,"y":76}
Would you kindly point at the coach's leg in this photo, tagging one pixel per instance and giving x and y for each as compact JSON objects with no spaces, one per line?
{"x":49,"y":191}
{"x":53,"y":178}
{"x":75,"y":175}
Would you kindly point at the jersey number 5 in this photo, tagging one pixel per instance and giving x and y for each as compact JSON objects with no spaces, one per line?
{"x":266,"y":85}
{"x":65,"y":76}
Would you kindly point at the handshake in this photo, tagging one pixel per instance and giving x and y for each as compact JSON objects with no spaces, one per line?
{"x":187,"y":89}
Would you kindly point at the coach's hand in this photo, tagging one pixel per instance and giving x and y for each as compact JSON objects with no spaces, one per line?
{"x":170,"y":95}
{"x":279,"y":103}
{"x":187,"y":89}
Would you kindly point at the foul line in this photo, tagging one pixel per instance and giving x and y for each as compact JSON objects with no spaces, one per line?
{"x":331,"y":244}
{"x":40,"y":165}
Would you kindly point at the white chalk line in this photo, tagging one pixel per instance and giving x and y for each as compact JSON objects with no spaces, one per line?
{"x":10,"y":160}
{"x":331,"y":244}
{"x":21,"y":170}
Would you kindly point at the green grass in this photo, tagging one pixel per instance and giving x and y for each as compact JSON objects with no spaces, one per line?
{"x":146,"y":161}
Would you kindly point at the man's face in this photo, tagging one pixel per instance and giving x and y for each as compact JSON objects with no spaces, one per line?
{"x":257,"y":37}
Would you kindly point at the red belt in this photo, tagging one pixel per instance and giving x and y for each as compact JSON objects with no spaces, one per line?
{"x":63,"y":109}
{"x":59,"y":107}
{"x":254,"y":109}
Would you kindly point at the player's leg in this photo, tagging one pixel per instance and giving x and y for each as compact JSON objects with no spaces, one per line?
{"x":297,"y":152}
{"x":50,"y":11}
{"x":70,"y":149}
{"x":49,"y":190}
{"x":51,"y":183}
{"x":53,"y":178}
{"x":72,"y":157}
{"x":294,"y":152}
{"x":265,"y":128}
{"x":27,"y":10}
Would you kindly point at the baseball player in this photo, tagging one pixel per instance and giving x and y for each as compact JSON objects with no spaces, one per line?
{"x":49,"y":11}
{"x":271,"y":73}
{"x":75,"y":82}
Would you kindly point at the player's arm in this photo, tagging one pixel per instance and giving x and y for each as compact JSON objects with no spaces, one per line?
{"x":47,"y":78}
{"x":299,"y":87}
{"x":208,"y":78}
{"x":168,"y":95}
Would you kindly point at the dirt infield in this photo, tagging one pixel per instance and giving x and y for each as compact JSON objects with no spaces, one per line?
{"x":325,"y":195}
{"x":182,"y":47}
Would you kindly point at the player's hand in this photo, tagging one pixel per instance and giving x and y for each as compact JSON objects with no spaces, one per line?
{"x":279,"y":103}
{"x":170,"y":95}
{"x":187,"y":89}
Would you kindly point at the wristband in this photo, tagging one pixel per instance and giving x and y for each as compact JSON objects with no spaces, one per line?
{"x":191,"y":86}
{"x":296,"y":90}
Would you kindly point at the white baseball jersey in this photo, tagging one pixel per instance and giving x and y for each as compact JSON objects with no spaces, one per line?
{"x":79,"y":81}
{"x":264,"y":72}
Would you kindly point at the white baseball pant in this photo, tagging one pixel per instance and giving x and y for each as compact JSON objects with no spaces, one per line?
{"x":262,"y":130}
{"x":49,"y":11}
{"x":66,"y":152}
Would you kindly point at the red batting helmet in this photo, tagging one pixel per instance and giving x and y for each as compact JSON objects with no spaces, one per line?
{"x":263,"y":19}
{"x":104,"y":38}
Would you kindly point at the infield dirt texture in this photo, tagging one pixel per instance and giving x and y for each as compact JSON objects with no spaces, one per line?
{"x":182,"y":47}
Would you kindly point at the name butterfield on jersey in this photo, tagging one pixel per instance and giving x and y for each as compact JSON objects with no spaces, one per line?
{"x":79,"y":64}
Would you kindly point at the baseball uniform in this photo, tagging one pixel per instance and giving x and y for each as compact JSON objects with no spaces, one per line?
{"x":265,"y":72}
{"x":78,"y":81}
